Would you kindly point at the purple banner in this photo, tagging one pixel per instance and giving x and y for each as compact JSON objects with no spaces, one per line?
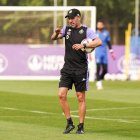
{"x":46,"y":61}
{"x":129,"y":68}
{"x":116,"y":66}
{"x":31,"y":60}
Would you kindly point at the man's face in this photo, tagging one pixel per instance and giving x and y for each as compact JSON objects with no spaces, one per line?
{"x":100,"y":25}
{"x":74,"y":22}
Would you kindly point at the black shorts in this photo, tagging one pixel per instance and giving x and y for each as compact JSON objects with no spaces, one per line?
{"x":77,"y":77}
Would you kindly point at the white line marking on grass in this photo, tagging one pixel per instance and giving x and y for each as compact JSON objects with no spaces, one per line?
{"x":107,"y":119}
{"x":29,"y":111}
{"x":104,"y":109}
{"x":8,"y":108}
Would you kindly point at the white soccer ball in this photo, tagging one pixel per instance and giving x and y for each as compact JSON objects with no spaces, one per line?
{"x":85,"y":41}
{"x":119,"y":76}
{"x":113,"y":77}
{"x":107,"y":76}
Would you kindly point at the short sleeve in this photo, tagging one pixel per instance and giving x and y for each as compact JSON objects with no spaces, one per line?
{"x":91,"y":34}
{"x":63,"y":31}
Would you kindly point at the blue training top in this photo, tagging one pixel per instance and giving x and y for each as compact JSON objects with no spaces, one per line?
{"x":105,"y":37}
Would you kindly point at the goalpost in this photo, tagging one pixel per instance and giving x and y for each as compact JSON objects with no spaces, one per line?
{"x":28,"y":28}
{"x":92,"y":9}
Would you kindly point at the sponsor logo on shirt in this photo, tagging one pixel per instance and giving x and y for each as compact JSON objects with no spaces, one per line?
{"x":68,"y":34}
{"x":81,"y":31}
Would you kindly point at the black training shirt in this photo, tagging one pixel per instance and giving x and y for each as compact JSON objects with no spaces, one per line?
{"x":74,"y":59}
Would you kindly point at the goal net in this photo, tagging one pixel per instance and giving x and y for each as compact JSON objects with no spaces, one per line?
{"x":32,"y":26}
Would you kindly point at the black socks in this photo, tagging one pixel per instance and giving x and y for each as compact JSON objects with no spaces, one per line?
{"x":81,"y":125}
{"x":69,"y":121}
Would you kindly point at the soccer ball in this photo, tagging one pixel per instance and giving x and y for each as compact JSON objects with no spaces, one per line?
{"x":85,"y":41}
{"x":107,"y":76}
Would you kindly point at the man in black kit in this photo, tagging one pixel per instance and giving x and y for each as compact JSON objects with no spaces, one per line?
{"x":75,"y":69}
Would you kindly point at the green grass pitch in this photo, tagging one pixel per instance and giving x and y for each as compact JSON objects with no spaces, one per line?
{"x":30,"y":110}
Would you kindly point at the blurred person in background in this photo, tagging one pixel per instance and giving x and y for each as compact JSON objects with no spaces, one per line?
{"x":101,"y":53}
{"x":75,"y":69}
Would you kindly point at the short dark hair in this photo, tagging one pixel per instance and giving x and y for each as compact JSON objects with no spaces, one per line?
{"x":101,"y":20}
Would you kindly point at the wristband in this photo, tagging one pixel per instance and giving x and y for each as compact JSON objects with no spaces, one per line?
{"x":84,"y":45}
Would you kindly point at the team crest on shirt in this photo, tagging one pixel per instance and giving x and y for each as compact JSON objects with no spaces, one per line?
{"x":81,"y":31}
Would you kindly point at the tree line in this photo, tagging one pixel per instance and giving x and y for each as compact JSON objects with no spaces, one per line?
{"x":116,"y":13}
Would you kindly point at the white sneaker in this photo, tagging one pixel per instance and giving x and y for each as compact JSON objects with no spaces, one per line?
{"x":99,"y":85}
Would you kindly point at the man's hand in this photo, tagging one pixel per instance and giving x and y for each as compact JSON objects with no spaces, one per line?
{"x":77,"y":46}
{"x":112,"y":54}
{"x":57,"y":33}
{"x":58,"y":29}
